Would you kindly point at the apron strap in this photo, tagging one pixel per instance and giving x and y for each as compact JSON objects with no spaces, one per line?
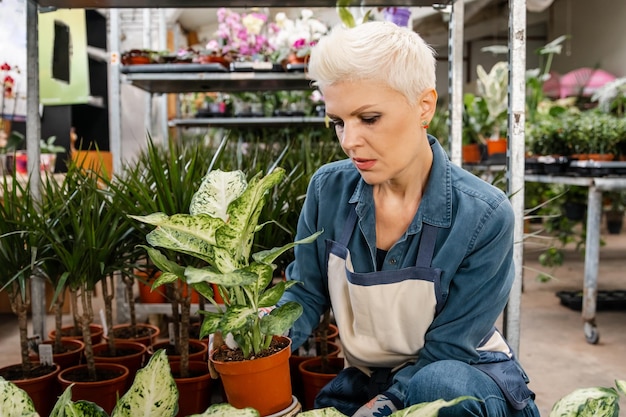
{"x":348,"y":228}
{"x":427,"y":245}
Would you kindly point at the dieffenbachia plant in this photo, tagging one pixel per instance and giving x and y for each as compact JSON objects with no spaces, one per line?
{"x":219,"y":229}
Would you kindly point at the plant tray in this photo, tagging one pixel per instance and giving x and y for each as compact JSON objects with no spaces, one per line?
{"x":172,"y":68}
{"x":606,"y":300}
{"x":591,"y":168}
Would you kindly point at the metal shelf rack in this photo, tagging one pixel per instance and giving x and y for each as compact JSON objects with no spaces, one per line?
{"x":517,"y":59}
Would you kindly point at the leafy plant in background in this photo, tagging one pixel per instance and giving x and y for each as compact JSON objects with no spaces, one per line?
{"x":20,"y":240}
{"x":87,"y":235}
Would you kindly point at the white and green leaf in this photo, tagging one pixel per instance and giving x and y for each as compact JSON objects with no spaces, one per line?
{"x":588,"y":402}
{"x":223,"y":410}
{"x":154,"y":392}
{"x":281,"y":318}
{"x":217,"y":190}
{"x":430,"y":409}
{"x":14,"y":401}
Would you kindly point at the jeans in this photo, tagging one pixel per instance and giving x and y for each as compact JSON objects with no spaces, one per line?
{"x":449,"y":379}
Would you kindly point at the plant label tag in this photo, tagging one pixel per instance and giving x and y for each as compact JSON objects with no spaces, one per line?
{"x":103,"y":319}
{"x":45,"y":354}
{"x":170,"y":332}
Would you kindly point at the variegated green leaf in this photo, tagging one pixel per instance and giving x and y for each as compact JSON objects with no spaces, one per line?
{"x":227,"y":410}
{"x":430,"y":409}
{"x":14,"y":401}
{"x":588,"y":402}
{"x":271,"y":296}
{"x":154,"y":219}
{"x":217,"y":191}
{"x":236,"y":317}
{"x":154,"y":392}
{"x":65,"y":407}
{"x":238,"y":234}
{"x":265,"y":273}
{"x":165,"y":278}
{"x":621,"y":386}
{"x":204,"y":289}
{"x":82,"y":408}
{"x":232,"y":279}
{"x":164,"y":264}
{"x":200,"y":226}
{"x":210,"y":323}
{"x":281,"y":318}
{"x":269,"y":256}
{"x":322,"y":412}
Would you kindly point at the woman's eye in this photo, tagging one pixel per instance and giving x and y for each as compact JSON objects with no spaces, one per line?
{"x":336,"y":122}
{"x":370,"y":120}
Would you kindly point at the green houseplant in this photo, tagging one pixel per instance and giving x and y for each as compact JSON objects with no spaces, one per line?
{"x":219,"y":230}
{"x":20,"y":256}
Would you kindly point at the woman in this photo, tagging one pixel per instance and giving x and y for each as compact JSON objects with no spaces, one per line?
{"x":417,"y":256}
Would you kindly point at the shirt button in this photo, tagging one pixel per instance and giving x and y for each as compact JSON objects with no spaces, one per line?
{"x":392,"y":261}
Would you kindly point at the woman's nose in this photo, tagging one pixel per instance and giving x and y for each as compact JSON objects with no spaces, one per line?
{"x":348,"y":136}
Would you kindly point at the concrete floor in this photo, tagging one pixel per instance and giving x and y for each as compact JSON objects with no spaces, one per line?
{"x":553,"y":348}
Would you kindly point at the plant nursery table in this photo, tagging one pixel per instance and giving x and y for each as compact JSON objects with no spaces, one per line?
{"x":595,"y":185}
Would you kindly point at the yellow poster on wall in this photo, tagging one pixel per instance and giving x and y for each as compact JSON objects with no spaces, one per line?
{"x":63,"y":63}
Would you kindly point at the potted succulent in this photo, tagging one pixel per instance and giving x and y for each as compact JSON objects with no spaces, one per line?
{"x":219,"y":230}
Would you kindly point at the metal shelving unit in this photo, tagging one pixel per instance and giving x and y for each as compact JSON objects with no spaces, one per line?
{"x":248,"y":121}
{"x":191,"y":82}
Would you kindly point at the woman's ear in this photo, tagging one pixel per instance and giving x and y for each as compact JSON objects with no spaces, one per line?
{"x":428,"y":104}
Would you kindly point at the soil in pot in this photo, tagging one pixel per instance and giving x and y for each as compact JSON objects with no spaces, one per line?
{"x":144,"y":333}
{"x":40,"y":383}
{"x":130,"y":354}
{"x":71,"y":332}
{"x":197,"y":350}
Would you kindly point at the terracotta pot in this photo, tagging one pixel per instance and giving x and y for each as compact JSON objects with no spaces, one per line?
{"x":132,"y":355}
{"x":313,"y":381}
{"x":471,"y":153}
{"x":496,"y":146}
{"x":194,"y":393}
{"x":43,"y":390}
{"x":103,"y":392}
{"x":147,"y":295}
{"x":144,"y":328}
{"x":297,"y":386}
{"x":197,"y":350}
{"x":71,"y":356}
{"x":332,"y":333}
{"x":67,"y":333}
{"x":263,"y":384}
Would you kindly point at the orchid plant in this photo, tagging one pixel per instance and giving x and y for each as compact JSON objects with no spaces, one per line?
{"x":296,"y":36}
{"x":243,"y":36}
{"x":8,"y":100}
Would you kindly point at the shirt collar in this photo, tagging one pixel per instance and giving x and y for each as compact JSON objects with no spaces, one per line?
{"x":436,"y":205}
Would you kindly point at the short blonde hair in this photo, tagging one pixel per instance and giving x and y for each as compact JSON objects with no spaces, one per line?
{"x":377,"y":51}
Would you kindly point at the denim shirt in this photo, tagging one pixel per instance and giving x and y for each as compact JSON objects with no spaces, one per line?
{"x":474,"y":250}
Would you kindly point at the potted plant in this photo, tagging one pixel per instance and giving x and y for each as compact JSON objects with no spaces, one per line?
{"x":85,"y":233}
{"x":219,"y":230}
{"x":492,"y":86}
{"x":20,"y":238}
